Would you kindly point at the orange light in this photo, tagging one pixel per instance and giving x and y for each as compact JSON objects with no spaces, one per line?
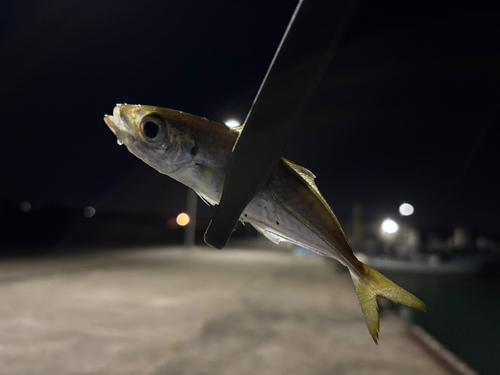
{"x":182,"y":219}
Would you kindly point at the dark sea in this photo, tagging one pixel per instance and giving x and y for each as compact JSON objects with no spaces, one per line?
{"x":464,"y":315}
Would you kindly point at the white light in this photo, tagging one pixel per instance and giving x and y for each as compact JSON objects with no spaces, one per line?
{"x":232,"y":123}
{"x":182,"y":219}
{"x":88,"y":212}
{"x":389,"y":226}
{"x":406,"y":209}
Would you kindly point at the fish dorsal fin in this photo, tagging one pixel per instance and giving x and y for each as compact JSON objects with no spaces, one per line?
{"x":306,"y":174}
{"x":308,"y":178}
{"x":238,"y":129}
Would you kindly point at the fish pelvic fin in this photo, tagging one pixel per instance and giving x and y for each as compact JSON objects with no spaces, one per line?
{"x":372,"y":284}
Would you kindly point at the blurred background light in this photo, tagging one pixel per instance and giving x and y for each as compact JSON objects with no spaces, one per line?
{"x":182,"y":219}
{"x":389,"y":226}
{"x":88,"y":212}
{"x":406,"y":209}
{"x":25,"y":207}
{"x":232,"y":123}
{"x":172,"y":223}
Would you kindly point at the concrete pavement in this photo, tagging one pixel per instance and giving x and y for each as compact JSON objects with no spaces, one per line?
{"x":173,"y":311}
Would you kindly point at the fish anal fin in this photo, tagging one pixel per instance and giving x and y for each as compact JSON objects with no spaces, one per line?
{"x":373,"y":284}
{"x":208,"y":201}
{"x":269,"y":235}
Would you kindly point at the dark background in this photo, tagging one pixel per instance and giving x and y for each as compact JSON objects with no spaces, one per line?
{"x":408,"y":110}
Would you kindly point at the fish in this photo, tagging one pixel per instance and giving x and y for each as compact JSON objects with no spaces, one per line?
{"x":289,"y":208}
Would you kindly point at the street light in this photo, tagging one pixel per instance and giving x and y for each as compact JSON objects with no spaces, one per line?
{"x":232,"y":123}
{"x":406,"y":209}
{"x":182,"y":219}
{"x":389,"y":226}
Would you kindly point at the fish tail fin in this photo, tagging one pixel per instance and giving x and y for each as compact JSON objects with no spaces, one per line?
{"x":372,"y":284}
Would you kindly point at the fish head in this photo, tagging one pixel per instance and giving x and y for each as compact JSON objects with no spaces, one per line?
{"x":153,"y":135}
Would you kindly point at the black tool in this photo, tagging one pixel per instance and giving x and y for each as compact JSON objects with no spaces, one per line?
{"x":305,"y":51}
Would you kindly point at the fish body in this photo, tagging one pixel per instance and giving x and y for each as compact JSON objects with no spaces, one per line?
{"x":195,"y":151}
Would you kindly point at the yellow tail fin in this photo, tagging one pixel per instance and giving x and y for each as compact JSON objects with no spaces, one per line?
{"x":373,"y":284}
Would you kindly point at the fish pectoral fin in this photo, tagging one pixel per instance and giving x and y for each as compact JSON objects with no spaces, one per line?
{"x":373,"y":284}
{"x":204,"y":167}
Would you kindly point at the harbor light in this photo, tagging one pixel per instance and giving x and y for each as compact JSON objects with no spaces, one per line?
{"x":182,"y":219}
{"x":406,"y":209}
{"x":232,"y":123}
{"x":389,"y":226}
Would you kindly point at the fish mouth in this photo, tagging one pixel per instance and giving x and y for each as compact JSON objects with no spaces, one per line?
{"x":117,"y":125}
{"x":110,"y":121}
{"x":115,"y":121}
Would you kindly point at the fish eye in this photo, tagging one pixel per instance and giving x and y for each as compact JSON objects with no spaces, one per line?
{"x":152,"y":128}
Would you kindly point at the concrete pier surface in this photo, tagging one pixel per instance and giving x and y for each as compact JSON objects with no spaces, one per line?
{"x":201,"y":311}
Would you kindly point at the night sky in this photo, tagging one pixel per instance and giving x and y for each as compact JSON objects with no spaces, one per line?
{"x":408,"y":110}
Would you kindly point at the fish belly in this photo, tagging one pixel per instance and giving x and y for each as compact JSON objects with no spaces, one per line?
{"x":280,"y":225}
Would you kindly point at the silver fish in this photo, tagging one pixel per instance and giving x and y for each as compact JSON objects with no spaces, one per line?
{"x":195,"y":152}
